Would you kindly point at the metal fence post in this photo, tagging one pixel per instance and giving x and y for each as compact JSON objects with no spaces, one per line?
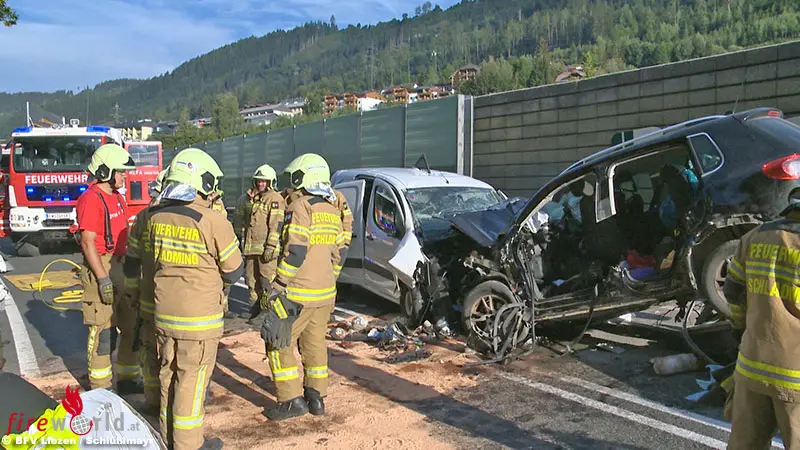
{"x":405,"y":138}
{"x":360,"y":138}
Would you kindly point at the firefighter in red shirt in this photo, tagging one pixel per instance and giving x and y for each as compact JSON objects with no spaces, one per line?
{"x":103,"y":225}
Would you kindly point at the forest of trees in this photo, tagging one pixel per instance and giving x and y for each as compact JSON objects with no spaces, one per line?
{"x":518,"y":43}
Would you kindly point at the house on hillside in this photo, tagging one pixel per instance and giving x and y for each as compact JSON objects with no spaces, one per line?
{"x":464,"y":73}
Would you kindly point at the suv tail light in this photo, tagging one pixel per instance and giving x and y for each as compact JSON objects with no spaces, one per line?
{"x":786,"y":168}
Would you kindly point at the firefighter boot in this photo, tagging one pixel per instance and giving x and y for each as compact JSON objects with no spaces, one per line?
{"x":316,"y":405}
{"x":128,"y":387}
{"x":295,"y":407}
{"x":211,"y":444}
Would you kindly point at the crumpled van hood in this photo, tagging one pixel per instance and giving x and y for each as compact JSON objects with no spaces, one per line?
{"x":486,"y":227}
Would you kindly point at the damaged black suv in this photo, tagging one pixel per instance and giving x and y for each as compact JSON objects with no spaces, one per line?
{"x":649,"y":220}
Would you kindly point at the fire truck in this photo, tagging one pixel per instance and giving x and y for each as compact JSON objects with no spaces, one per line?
{"x":47,"y":173}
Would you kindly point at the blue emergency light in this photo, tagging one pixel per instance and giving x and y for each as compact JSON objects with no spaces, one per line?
{"x":66,"y":199}
{"x":48,"y":199}
{"x":82,"y":188}
{"x":97,"y":129}
{"x":29,"y":190}
{"x":23,"y":129}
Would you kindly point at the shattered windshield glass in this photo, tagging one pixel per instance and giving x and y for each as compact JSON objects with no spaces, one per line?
{"x":434,"y":206}
{"x":54,"y":154}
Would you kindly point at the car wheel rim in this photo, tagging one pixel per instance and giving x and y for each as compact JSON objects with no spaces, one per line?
{"x":719,"y":277}
{"x":483,"y":315}
{"x":408,"y":307}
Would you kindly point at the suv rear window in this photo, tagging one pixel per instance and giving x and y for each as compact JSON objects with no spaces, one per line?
{"x":784,"y":135}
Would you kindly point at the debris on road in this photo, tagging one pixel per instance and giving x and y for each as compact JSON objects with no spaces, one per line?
{"x":670,"y":365}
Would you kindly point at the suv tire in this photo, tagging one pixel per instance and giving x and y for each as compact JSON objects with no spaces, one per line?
{"x":714,"y":271}
{"x":501,"y":295}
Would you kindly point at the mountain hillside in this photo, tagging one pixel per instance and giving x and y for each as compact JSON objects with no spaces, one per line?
{"x":604,"y":35}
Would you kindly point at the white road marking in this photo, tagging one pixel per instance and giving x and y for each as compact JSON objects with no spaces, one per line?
{"x":28,"y":366}
{"x":688,"y":415}
{"x":625,"y":414}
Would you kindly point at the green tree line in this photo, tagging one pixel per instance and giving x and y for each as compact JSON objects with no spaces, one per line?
{"x":518,"y":43}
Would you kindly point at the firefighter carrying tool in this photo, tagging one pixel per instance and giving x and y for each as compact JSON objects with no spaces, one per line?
{"x":195,"y":256}
{"x":300,"y":300}
{"x":761,"y":289}
{"x":139,"y":288}
{"x":102,"y":223}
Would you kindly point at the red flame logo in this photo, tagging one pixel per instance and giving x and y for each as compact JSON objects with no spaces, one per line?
{"x":72,"y":402}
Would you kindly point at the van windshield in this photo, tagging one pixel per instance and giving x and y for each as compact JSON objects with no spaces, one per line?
{"x":433,"y":206}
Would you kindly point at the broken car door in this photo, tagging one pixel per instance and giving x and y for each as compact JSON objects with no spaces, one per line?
{"x":352,"y":268}
{"x":385,"y":227}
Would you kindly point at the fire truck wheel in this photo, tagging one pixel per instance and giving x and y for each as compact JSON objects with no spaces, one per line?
{"x":27,"y":249}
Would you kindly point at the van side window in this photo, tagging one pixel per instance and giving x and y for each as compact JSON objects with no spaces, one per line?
{"x":386,"y":213}
{"x":706,"y":151}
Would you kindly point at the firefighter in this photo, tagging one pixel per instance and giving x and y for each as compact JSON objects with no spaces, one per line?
{"x":139,"y":288}
{"x":262,"y":236}
{"x":761,"y":290}
{"x":244,"y":209}
{"x":196,"y":258}
{"x":301,"y":298}
{"x":289,"y":194}
{"x":102,"y":224}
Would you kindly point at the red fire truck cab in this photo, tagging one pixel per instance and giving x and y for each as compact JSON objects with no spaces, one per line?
{"x":47,"y":173}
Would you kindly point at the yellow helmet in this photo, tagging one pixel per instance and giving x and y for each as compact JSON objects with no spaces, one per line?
{"x":307,"y":169}
{"x":107,"y":159}
{"x":265,"y":172}
{"x":195,"y":168}
{"x":155,"y":186}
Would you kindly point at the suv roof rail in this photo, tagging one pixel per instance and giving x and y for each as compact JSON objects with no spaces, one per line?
{"x":758,"y":112}
{"x":636,"y":140}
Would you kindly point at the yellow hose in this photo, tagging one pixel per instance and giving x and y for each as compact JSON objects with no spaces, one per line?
{"x":71,"y":296}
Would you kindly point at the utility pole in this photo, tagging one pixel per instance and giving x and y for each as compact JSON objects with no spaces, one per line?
{"x":116,"y":113}
{"x":435,"y":63}
{"x":87,"y":106}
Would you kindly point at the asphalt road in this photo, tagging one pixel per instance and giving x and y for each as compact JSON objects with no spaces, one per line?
{"x":592,"y":399}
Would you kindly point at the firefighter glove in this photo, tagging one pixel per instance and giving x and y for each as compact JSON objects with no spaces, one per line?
{"x":280,"y":315}
{"x":106,"y":290}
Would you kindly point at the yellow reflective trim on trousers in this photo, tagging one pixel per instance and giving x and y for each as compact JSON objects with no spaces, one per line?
{"x":90,"y":342}
{"x":127,"y":369}
{"x":310,"y":295}
{"x":187,"y":422}
{"x":149,"y":379}
{"x":228,"y":251}
{"x":147,"y":307}
{"x":766,"y":373}
{"x":176,"y":244}
{"x":736,"y":270}
{"x":99,"y":374}
{"x":203,"y":323}
{"x":290,"y":373}
{"x":316,"y":371}
{"x":131,"y":282}
{"x":726,"y":383}
{"x":199,"y":390}
{"x":298,"y":229}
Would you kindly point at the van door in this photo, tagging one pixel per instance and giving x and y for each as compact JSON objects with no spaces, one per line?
{"x":385,"y":227}
{"x":353,"y":267}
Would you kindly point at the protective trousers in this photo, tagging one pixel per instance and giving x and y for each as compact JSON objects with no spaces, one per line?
{"x":186,"y":368}
{"x":252,"y":270}
{"x":100,"y":319}
{"x":125,"y":312}
{"x":151,"y":366}
{"x":756,"y":418}
{"x":309,"y":332}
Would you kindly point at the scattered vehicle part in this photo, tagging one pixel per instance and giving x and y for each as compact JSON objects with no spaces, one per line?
{"x":670,"y":365}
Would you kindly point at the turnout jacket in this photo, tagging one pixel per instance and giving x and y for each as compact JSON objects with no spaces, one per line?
{"x":763,"y":291}
{"x":310,"y":242}
{"x":193,"y":249}
{"x":262,"y":235}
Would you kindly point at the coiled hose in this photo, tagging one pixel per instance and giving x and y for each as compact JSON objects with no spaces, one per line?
{"x":67,"y":297}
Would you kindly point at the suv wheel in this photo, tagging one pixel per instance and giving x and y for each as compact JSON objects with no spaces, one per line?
{"x":480,"y":308}
{"x":715,"y":269}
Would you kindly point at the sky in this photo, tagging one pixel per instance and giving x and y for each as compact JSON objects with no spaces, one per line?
{"x":69,"y":44}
